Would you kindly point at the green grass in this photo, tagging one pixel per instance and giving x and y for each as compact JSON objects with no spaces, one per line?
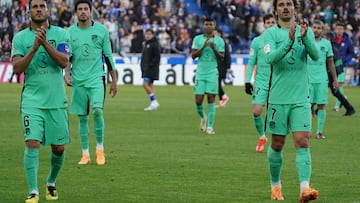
{"x":161,"y":156}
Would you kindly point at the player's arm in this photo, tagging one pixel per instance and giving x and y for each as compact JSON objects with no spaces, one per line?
{"x":107,"y":53}
{"x":274,"y":54}
{"x":218,"y":53}
{"x":60,"y":54}
{"x":67,"y":77}
{"x":111,"y":68}
{"x":252,"y":61}
{"x":331,"y":67}
{"x":195,"y":52}
{"x":250,"y":67}
{"x":20,"y":59}
{"x":310,"y":45}
{"x":20,"y":62}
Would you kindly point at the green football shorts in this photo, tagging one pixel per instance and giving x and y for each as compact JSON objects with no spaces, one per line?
{"x":85,"y":97}
{"x":319,"y":93}
{"x":48,"y":126}
{"x":259,"y":96}
{"x":206,"y":87}
{"x":282,"y":117}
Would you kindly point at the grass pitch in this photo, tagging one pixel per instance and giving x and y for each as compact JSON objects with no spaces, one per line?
{"x":161,"y":156}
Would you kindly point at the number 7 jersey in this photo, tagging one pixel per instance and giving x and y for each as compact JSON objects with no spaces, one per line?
{"x":289,"y":82}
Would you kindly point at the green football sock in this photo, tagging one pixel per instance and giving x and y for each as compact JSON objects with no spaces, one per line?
{"x":31,"y":165}
{"x":99,"y":125}
{"x":341,"y":90}
{"x":200,"y":110}
{"x":275,"y":160}
{"x":259,"y":124}
{"x":84,"y":132}
{"x":56,"y":163}
{"x":321,"y":117}
{"x":211,"y":112}
{"x":303,"y":164}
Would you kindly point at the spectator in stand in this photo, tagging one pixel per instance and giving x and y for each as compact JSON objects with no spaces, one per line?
{"x":181,"y":11}
{"x":136,"y":42}
{"x":65,"y":17}
{"x":125,"y":44}
{"x":6,"y":48}
{"x":163,"y":37}
{"x":125,"y":23}
{"x":218,"y":12}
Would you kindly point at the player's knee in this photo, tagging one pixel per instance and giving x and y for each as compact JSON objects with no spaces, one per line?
{"x":97,"y":112}
{"x":58,"y":150}
{"x":256,"y":112}
{"x":83,"y":119}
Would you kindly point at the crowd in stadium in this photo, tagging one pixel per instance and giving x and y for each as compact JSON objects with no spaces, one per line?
{"x":174,"y":25}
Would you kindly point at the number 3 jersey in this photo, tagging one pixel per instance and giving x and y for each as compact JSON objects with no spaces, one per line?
{"x":88,"y":47}
{"x":44,"y":84}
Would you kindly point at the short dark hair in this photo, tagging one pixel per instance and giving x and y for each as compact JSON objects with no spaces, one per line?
{"x":330,"y":36}
{"x":318,"y":22}
{"x":209,"y":20}
{"x":267,"y":17}
{"x":339,"y":23}
{"x":149,"y":30}
{"x":82,"y":2}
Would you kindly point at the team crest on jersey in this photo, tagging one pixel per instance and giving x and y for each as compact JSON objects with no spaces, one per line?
{"x":94,"y":38}
{"x":300,"y":41}
{"x":251,"y":51}
{"x":27,"y":131}
{"x":322,"y":49}
{"x":272,"y":124}
{"x":267,"y":48}
{"x":52,"y":43}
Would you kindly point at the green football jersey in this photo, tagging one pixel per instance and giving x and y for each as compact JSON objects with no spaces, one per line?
{"x":207,"y":62}
{"x":317,"y":68}
{"x":44,"y":82}
{"x":88,"y":47}
{"x":289,"y":82}
{"x":257,"y":56}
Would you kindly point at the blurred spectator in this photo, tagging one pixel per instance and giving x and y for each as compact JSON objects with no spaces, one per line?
{"x":65,"y":17}
{"x":125,"y":44}
{"x":136,"y":42}
{"x":181,"y":11}
{"x":6,"y":48}
{"x":218,"y":11}
{"x":164,"y":41}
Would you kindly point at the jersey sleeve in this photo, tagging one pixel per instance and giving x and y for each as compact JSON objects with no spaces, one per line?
{"x":17,"y":49}
{"x":107,"y":52}
{"x":252,"y":61}
{"x":330,"y":52}
{"x":274,"y":54}
{"x":221,"y":45}
{"x":195,"y":44}
{"x":311,"y":47}
{"x":64,"y":43}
